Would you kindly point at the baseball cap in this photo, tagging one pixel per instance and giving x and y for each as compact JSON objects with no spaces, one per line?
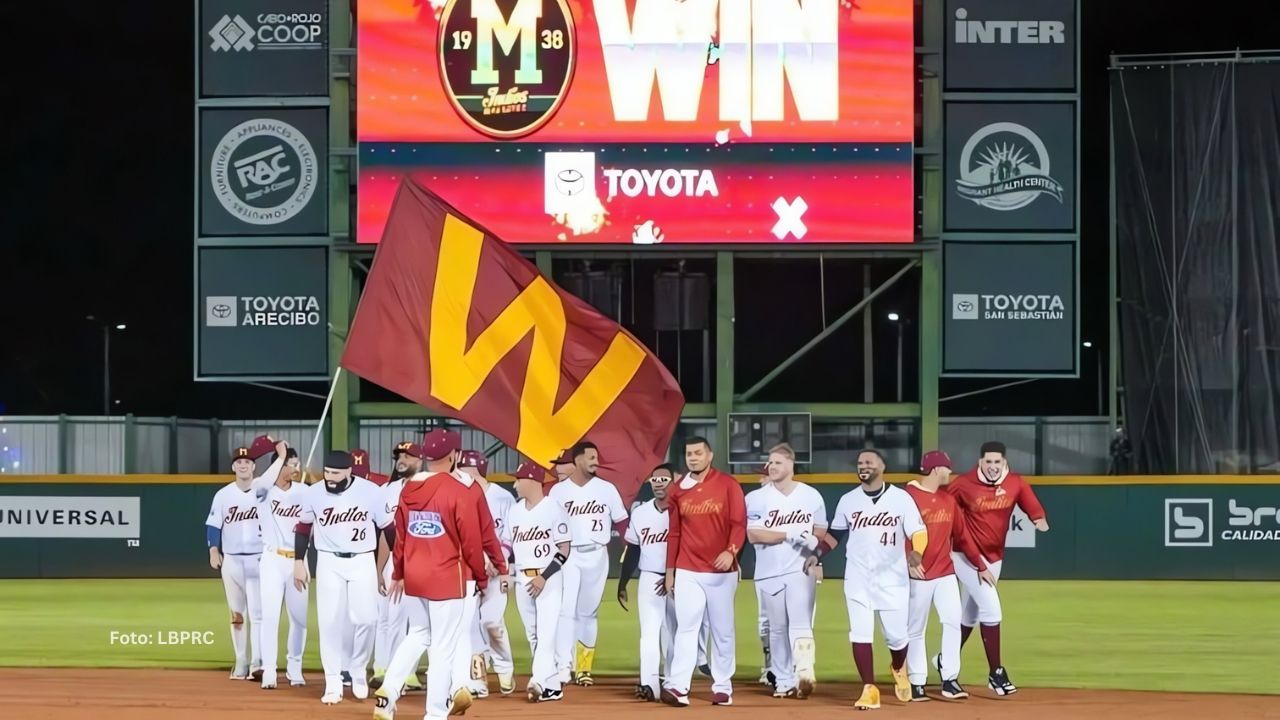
{"x":564,"y":458}
{"x":360,"y":463}
{"x":934,"y":459}
{"x":475,"y":459}
{"x":338,"y":460}
{"x":408,"y":448}
{"x":261,"y":445}
{"x":240,"y":453}
{"x":439,"y":443}
{"x":530,"y":470}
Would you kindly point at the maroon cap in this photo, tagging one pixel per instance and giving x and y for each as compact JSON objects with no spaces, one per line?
{"x":475,"y":459}
{"x":934,"y":459}
{"x":360,"y":463}
{"x":530,"y":470}
{"x":439,"y":443}
{"x":260,"y":446}
{"x":565,"y":458}
{"x":407,"y":448}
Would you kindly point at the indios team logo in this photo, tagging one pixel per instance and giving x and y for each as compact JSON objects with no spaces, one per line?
{"x":425,"y":524}
{"x":506,"y":65}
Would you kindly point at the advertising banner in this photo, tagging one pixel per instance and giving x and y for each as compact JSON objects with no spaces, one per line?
{"x":262,"y":312}
{"x":70,"y":517}
{"x":641,"y":122}
{"x":250,"y":48}
{"x":1010,"y":167}
{"x":1011,"y":45}
{"x":1009,"y":309}
{"x":262,"y":172}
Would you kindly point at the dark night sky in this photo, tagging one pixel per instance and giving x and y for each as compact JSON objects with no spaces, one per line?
{"x":98,"y":215}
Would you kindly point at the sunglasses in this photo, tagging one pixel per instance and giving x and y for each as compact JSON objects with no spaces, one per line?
{"x":659,"y":478}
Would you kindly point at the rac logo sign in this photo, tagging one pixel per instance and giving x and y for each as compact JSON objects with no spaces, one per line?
{"x":459,"y":368}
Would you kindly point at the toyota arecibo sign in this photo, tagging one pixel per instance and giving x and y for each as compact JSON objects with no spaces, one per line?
{"x":1009,"y":309}
{"x":1010,"y":166}
{"x":251,"y":48}
{"x":264,"y":172}
{"x":262,"y":312}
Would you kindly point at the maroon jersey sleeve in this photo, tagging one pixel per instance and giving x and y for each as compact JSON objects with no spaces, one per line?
{"x":488,"y":532}
{"x":673,"y":528}
{"x":737,"y":505}
{"x":470,"y":541}
{"x":1028,"y":501}
{"x":962,"y":540}
{"x":397,"y":552}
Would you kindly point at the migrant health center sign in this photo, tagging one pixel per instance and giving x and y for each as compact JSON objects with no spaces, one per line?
{"x":642,"y":121}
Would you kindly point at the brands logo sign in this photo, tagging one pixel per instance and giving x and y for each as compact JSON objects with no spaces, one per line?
{"x":1189,"y":522}
{"x":1011,"y":45}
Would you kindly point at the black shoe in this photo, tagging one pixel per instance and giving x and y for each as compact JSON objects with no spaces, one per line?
{"x":551,"y":695}
{"x":951,"y":690}
{"x":645,"y":693}
{"x":346,"y":679}
{"x":773,"y":679}
{"x":705,"y":670}
{"x":917,"y":694}
{"x":1000,"y":682}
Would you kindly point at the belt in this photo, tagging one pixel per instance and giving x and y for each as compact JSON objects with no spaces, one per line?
{"x":243,"y":554}
{"x":591,"y":547}
{"x":345,"y":555}
{"x":530,"y":572}
{"x":285,"y":553}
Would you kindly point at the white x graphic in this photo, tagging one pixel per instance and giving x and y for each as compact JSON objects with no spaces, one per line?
{"x":789,"y":214}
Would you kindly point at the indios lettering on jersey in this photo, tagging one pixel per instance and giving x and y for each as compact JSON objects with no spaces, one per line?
{"x":290,"y":511}
{"x":706,"y":507}
{"x":935,"y":515}
{"x":591,"y":507}
{"x":235,"y":514}
{"x":987,"y":504}
{"x":795,"y":517}
{"x":351,"y":514}
{"x":649,"y":537}
{"x":533,"y":534}
{"x":881,"y":519}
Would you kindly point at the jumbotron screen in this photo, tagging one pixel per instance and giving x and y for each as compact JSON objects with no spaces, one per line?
{"x":642,"y":121}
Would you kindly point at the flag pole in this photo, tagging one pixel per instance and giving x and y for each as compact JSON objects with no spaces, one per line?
{"x":323,"y":415}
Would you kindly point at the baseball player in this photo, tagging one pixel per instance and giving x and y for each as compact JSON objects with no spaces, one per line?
{"x":393,"y":623}
{"x":234,"y":538}
{"x":767,"y":676}
{"x":786,"y":520}
{"x":537,"y":530}
{"x":438,"y":562}
{"x":986,"y":496}
{"x":490,"y":640}
{"x":880,"y":521}
{"x":708,"y":521}
{"x":280,"y":508}
{"x":345,"y":514}
{"x":595,"y":511}
{"x":646,"y":551}
{"x":934,"y":582}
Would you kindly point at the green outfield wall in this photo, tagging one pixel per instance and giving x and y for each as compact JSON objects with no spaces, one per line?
{"x":1129,"y":528}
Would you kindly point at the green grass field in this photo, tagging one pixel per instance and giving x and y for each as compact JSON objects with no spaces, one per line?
{"x":1187,"y":636}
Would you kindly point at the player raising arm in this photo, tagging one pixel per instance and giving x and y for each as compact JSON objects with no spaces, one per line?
{"x":987,"y":496}
{"x":280,"y":507}
{"x":880,"y":521}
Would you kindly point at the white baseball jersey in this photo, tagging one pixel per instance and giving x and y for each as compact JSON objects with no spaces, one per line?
{"x":648,"y":530}
{"x":500,"y":501}
{"x":534,"y":533}
{"x":235,"y":512}
{"x":770,"y":509}
{"x":391,"y":497}
{"x":346,"y":522}
{"x":592,"y":509}
{"x":875,"y":573}
{"x":279,"y":512}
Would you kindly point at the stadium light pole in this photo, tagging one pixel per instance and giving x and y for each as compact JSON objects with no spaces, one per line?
{"x":107,"y":328}
{"x":895,"y":318}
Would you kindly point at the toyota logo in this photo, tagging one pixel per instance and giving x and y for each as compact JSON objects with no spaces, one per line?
{"x":220,"y":311}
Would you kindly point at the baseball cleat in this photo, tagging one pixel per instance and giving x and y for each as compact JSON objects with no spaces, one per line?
{"x":332,"y":696}
{"x":533,"y":692}
{"x":506,"y":683}
{"x":240,"y":672}
{"x":805,"y":657}
{"x":255,"y":673}
{"x":870,"y":698}
{"x":951,"y":690}
{"x":479,"y":692}
{"x":384,"y":708}
{"x":644,"y":692}
{"x":298,"y":681}
{"x":705,"y":669}
{"x":551,"y":695}
{"x":268,"y":681}
{"x":346,"y":679}
{"x":1000,"y":682}
{"x":901,"y":685}
{"x":461,"y":701}
{"x":674,"y":698}
{"x":789,"y":694}
{"x":721,"y":699}
{"x":764,"y":676}
{"x":917,"y":694}
{"x":584,"y":679}
{"x":360,"y":688}
{"x":375,"y":682}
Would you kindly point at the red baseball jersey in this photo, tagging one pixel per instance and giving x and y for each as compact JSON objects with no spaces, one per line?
{"x":438,"y":541}
{"x":706,"y":519}
{"x":488,"y":532}
{"x":987,"y":508}
{"x":947,"y":531}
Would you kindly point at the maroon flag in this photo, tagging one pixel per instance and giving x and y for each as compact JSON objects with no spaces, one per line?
{"x":458,"y":322}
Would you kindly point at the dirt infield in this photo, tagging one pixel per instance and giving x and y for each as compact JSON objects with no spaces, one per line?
{"x":76,"y":694}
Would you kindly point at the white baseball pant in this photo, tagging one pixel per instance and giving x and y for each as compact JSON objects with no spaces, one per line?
{"x":437,"y":624}
{"x":464,"y":673}
{"x":240,"y":580}
{"x":584,"y":578}
{"x":981,"y":602}
{"x":862,"y":624}
{"x":657,"y":629}
{"x":393,"y":625}
{"x":944,"y":594}
{"x":413,"y":645}
{"x":346,"y":602}
{"x":762,"y":629}
{"x":541,"y":617}
{"x":699,"y":595}
{"x":788,"y":601}
{"x":277,"y":585}
{"x":492,"y":638}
